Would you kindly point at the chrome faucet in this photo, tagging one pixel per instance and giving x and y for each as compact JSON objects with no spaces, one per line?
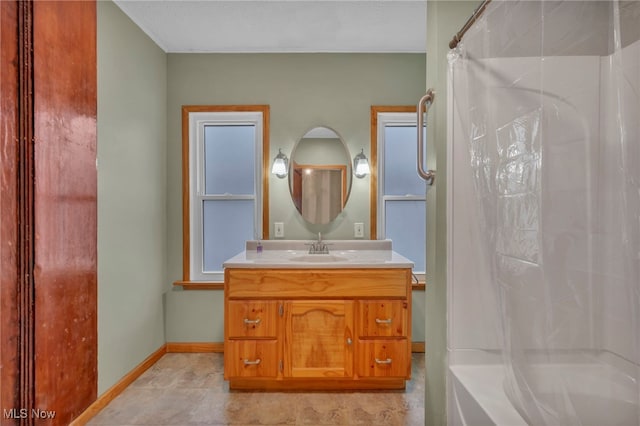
{"x":318,"y":247}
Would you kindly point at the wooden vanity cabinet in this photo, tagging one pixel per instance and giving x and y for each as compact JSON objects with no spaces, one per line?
{"x":318,"y":339}
{"x":317,"y":328}
{"x":382,"y":330}
{"x":252,"y":319}
{"x":251,"y":342}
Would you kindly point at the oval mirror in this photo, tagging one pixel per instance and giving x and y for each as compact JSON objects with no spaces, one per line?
{"x":320,"y":175}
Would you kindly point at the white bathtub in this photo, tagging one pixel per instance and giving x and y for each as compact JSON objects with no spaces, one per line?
{"x":590,"y":395}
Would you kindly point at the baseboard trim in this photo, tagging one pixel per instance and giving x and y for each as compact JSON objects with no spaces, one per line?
{"x":195,"y":347}
{"x":417,"y":347}
{"x":117,"y":389}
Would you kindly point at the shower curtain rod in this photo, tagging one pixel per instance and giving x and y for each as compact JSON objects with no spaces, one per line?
{"x":476,"y":14}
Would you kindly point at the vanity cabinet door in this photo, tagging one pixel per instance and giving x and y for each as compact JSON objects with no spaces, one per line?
{"x":383,"y":318}
{"x":252,"y":318}
{"x":251,"y":358}
{"x":384,"y":358}
{"x":319,"y":341}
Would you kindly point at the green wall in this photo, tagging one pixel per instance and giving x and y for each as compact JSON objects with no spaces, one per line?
{"x":444,"y":19}
{"x":132,"y":186}
{"x":303,"y":91}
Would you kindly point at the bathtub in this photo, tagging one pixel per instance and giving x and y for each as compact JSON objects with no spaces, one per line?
{"x":599,"y":394}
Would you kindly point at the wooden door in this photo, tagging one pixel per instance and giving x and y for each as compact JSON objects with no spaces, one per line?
{"x":48,"y":202}
{"x":11,"y":251}
{"x":319,"y":341}
{"x":65,"y":192}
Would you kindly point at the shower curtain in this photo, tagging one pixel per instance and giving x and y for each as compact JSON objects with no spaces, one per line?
{"x":545,"y":118}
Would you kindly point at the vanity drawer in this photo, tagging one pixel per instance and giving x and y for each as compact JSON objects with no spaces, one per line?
{"x":250,"y":358}
{"x":384,"y":358}
{"x":382,"y":318}
{"x":317,"y":283}
{"x":252,"y":318}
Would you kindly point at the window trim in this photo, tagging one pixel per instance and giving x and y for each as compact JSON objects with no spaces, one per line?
{"x":377,"y":126}
{"x":186,"y":176}
{"x":380,"y":116}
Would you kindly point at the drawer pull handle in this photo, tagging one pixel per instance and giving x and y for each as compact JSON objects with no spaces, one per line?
{"x":248,"y":362}
{"x":383,"y":361}
{"x":383,"y":321}
{"x":252,"y":322}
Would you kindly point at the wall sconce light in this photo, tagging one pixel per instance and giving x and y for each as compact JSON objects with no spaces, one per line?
{"x":361,"y":165}
{"x":280,"y":166}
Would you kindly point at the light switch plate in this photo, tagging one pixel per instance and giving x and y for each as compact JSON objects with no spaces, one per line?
{"x":358,"y":230}
{"x":278,"y":229}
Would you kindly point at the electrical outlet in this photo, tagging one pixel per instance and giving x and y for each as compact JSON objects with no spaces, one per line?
{"x":358,"y":230}
{"x":279,"y":229}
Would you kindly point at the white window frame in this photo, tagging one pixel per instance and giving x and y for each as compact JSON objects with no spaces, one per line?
{"x":390,"y":119}
{"x":197,"y":123}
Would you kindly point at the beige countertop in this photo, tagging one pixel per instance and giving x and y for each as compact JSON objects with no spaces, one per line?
{"x":294,"y":254}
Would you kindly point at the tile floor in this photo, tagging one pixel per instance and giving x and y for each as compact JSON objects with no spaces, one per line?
{"x":189,"y":389}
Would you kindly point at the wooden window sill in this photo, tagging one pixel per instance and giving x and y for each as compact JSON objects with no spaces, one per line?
{"x":420,"y":286}
{"x":200,"y":285}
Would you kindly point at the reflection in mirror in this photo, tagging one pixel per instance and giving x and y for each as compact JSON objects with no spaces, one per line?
{"x":320,"y":175}
{"x":319,"y":192}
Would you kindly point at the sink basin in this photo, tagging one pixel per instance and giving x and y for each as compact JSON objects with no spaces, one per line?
{"x":319,"y":258}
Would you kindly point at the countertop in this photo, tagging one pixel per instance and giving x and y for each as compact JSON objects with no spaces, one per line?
{"x":294,"y":254}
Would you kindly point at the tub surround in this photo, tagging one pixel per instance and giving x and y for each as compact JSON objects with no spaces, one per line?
{"x":480,"y":389}
{"x":294,"y":322}
{"x":545,"y":284}
{"x":600,"y":393}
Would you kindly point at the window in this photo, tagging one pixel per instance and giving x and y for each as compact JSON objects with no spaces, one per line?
{"x":398,"y":192}
{"x":224,"y":192}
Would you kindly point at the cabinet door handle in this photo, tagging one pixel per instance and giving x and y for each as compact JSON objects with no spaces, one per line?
{"x":349,"y":341}
{"x":249,"y":362}
{"x":383,"y":361}
{"x":252,"y":322}
{"x":383,"y":321}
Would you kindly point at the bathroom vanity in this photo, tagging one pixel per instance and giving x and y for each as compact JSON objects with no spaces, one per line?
{"x":338,"y":320}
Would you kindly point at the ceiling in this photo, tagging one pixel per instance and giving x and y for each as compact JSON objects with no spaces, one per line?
{"x":282,"y":25}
